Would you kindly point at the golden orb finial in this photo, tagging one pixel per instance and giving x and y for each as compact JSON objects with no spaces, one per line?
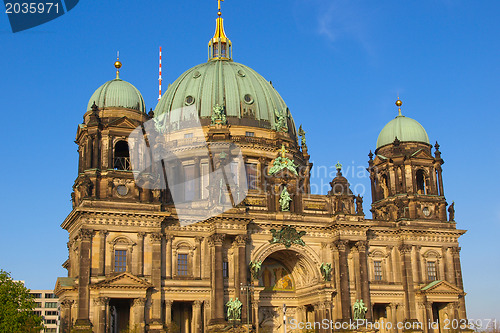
{"x":398,"y":104}
{"x":118,"y":64}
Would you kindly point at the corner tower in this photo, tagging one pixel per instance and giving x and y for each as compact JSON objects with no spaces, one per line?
{"x":406,"y":178}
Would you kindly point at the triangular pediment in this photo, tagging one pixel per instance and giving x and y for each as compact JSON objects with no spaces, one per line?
{"x":123,"y":122}
{"x":422,"y":153}
{"x":440,"y":287}
{"x":64,"y":283}
{"x":123,"y":280}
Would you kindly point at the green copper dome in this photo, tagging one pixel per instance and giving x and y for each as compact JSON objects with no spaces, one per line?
{"x":403,"y":128}
{"x":248,"y":97}
{"x":117,"y":93}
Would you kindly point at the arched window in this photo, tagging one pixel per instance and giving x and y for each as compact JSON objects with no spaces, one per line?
{"x":421,"y":186}
{"x":121,"y":159}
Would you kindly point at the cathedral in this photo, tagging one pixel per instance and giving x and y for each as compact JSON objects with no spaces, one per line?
{"x":172,"y":245}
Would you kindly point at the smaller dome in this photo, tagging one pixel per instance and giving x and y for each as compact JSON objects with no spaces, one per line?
{"x":117,"y":93}
{"x":405,"y":129}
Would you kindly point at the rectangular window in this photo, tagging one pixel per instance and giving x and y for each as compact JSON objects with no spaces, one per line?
{"x":249,"y":133}
{"x":51,"y":305}
{"x":431,"y":271}
{"x":50,"y":321}
{"x":225,"y":269}
{"x":36,"y":295}
{"x":188,"y":136}
{"x":120,"y":260}
{"x":38,"y":304}
{"x":251,"y":171}
{"x":50,"y":330}
{"x":182,"y":264}
{"x":51,"y":313}
{"x":38,"y":313}
{"x":50,"y":296}
{"x":377,"y":266}
{"x":189,"y":183}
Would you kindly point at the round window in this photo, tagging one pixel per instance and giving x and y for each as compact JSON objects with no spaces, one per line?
{"x":241,"y":73}
{"x":248,"y":99}
{"x":189,"y":100}
{"x":122,"y":190}
{"x":426,"y":211}
{"x":196,"y":74}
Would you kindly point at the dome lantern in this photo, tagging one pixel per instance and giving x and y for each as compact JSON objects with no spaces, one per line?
{"x":220,"y":47}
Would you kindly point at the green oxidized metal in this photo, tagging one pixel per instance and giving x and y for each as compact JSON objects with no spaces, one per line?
{"x":287,"y":236}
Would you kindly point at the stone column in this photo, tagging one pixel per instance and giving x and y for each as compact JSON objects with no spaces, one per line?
{"x":100,"y":305}
{"x":440,"y":180}
{"x":197,"y":323}
{"x":83,"y":321}
{"x":390,"y":270}
{"x":455,"y":251}
{"x":241,"y":242}
{"x":255,"y":308}
{"x":428,"y":316}
{"x":140,"y":253}
{"x":216,"y":241}
{"x":155,"y":239}
{"x":102,"y":252}
{"x":138,"y":311}
{"x":197,"y":257}
{"x":344,"y":280}
{"x":393,"y":316}
{"x":168,"y":258}
{"x":363,"y":272}
{"x":409,"y":309}
{"x":168,"y":312}
{"x":66,"y":320}
{"x":300,"y":314}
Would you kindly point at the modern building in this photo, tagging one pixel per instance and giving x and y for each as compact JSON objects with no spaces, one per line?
{"x":132,"y":265}
{"x":46,"y":306}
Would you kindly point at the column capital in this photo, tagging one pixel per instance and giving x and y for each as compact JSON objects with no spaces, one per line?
{"x":85,"y":234}
{"x":103,"y":233}
{"x":101,"y":301}
{"x":168,"y":302}
{"x":67,"y":303}
{"x":197,"y":304}
{"x":141,"y":301}
{"x":405,"y":248}
{"x":362,"y":245}
{"x":155,"y":237}
{"x":455,"y":250}
{"x":140,"y":235}
{"x":241,"y":240}
{"x":341,"y":244}
{"x":198,"y":239}
{"x":169,"y":238}
{"x":216,"y":239}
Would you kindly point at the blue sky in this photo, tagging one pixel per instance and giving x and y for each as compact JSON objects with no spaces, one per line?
{"x":338,"y":64}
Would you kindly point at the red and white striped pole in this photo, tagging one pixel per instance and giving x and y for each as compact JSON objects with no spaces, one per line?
{"x":159,"y":79}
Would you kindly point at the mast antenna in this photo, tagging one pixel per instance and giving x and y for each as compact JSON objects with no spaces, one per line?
{"x":159,"y":80}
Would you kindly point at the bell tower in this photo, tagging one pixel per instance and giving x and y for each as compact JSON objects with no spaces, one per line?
{"x":406,"y":180}
{"x":104,"y":171}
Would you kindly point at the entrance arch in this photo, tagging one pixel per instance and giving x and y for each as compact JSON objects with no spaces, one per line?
{"x":289,"y":276}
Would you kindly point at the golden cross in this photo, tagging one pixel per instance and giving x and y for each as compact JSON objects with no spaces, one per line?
{"x":219,"y":5}
{"x":283,"y":151}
